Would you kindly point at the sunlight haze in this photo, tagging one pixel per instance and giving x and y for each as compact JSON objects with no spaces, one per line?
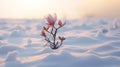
{"x":63,"y":8}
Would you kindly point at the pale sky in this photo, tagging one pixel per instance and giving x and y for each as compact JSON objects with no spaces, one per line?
{"x":67,"y":8}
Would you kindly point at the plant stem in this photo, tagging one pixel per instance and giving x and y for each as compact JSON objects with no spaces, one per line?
{"x":55,"y":37}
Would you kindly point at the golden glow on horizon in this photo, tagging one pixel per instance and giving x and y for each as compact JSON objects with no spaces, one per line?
{"x":28,"y":8}
{"x":67,"y":8}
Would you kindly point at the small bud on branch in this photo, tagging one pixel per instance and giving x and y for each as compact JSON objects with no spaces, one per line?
{"x":43,"y":33}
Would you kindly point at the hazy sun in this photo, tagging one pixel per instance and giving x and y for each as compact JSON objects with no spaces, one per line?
{"x":40,"y":7}
{"x":39,"y":3}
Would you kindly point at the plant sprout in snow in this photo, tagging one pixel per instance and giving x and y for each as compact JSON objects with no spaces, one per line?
{"x":50,"y":31}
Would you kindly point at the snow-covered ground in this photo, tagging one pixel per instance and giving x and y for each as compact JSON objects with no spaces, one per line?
{"x":90,"y":42}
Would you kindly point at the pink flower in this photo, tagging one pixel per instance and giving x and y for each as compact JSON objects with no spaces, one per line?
{"x":60,"y":23}
{"x":43,"y":33}
{"x":51,"y":19}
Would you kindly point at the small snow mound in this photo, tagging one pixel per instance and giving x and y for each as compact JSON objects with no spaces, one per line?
{"x":17,"y":33}
{"x":115,"y":24}
{"x":116,"y":53}
{"x":46,"y":50}
{"x":11,"y":60}
{"x":12,"y":56}
{"x":5,"y":49}
{"x":101,"y":33}
{"x":105,"y":48}
{"x":59,"y":57}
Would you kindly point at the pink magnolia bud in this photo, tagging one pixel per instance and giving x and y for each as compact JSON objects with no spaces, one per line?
{"x":51,"y":19}
{"x":60,"y":23}
{"x":43,"y":33}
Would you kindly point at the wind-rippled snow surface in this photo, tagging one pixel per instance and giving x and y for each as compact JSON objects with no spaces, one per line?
{"x":90,"y":42}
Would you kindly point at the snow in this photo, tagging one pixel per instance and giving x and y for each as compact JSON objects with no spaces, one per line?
{"x":90,"y":42}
